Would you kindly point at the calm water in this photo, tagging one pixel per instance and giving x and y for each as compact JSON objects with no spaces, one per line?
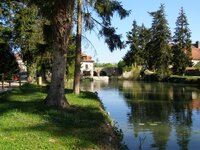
{"x":153,"y":115}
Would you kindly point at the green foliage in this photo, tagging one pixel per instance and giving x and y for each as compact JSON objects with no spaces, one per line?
{"x":158,"y":48}
{"x":137,"y":54}
{"x":28,"y":34}
{"x":150,"y":47}
{"x":121,"y":64}
{"x":197,"y":66}
{"x":8,"y":64}
{"x":112,"y":39}
{"x":106,"y":65}
{"x":143,"y":39}
{"x":137,"y":40}
{"x":105,"y":9}
{"x":133,"y":56}
{"x":32,"y":36}
{"x":182,"y":45}
{"x":136,"y":73}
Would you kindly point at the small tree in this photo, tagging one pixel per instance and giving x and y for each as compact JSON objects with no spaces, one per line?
{"x":182,"y":44}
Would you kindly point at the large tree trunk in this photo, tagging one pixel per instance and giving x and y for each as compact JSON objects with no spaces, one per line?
{"x":77,"y":71}
{"x":62,"y":24}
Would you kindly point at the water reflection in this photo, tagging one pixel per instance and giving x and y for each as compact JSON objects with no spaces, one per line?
{"x":153,"y":115}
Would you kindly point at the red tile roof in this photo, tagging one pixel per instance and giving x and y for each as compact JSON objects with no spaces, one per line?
{"x":86,"y":58}
{"x":195,"y":53}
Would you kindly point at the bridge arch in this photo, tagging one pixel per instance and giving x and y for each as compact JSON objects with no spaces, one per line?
{"x":103,"y":73}
{"x":95,"y":73}
{"x":106,"y":71}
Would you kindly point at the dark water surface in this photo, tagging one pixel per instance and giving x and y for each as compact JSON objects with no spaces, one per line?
{"x":153,"y":115}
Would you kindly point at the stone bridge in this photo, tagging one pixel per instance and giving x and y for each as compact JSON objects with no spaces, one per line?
{"x":106,"y":71}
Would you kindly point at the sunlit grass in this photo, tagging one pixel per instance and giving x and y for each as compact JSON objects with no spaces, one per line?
{"x":186,"y":77}
{"x":26,"y":123}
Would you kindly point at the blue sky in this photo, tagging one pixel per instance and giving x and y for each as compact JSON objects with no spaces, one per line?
{"x":139,"y":12}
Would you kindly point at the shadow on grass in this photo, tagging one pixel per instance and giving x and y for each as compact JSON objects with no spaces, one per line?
{"x":83,"y":123}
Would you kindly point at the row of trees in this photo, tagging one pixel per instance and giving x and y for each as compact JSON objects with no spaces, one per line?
{"x":155,"y":49}
{"x":41,"y":32}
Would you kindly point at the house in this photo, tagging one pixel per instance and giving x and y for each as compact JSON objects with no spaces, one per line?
{"x":22,"y":66}
{"x":196,"y":53}
{"x":87,"y":65}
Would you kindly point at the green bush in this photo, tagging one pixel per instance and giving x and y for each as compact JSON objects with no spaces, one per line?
{"x":197,"y":66}
{"x":136,"y":73}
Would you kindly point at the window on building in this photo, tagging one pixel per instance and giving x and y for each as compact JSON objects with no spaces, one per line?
{"x":86,"y":66}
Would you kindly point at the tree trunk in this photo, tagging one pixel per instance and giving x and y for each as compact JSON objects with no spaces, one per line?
{"x":77,"y":71}
{"x":62,"y":24}
{"x":43,"y":72}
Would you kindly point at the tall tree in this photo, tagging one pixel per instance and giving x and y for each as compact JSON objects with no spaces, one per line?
{"x":158,"y":47}
{"x":138,"y":37}
{"x":62,"y":25}
{"x":8,"y":64}
{"x":104,"y":10}
{"x":28,"y":35}
{"x":59,"y":13}
{"x":133,"y":56}
{"x":144,"y":38}
{"x":77,"y":71}
{"x":182,"y":44}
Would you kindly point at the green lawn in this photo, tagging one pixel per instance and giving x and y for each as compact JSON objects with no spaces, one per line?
{"x":26,"y":123}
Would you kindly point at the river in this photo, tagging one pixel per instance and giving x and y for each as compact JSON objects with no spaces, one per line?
{"x":152,"y":115}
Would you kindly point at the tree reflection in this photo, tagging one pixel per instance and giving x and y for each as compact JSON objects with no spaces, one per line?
{"x":183,"y":115}
{"x":156,"y":107}
{"x":161,"y":115}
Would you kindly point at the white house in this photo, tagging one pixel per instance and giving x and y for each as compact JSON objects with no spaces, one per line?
{"x":87,"y":65}
{"x":22,"y":66}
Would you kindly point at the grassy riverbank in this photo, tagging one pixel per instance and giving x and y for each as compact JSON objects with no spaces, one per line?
{"x":25,"y":122}
{"x":185,"y":79}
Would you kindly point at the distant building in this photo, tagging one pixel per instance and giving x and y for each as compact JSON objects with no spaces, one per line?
{"x":87,"y":65}
{"x":21,"y":65}
{"x":196,"y":53}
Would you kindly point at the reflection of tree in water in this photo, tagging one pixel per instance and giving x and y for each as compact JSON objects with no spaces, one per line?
{"x":182,"y":98}
{"x":161,"y":135}
{"x":152,"y":104}
{"x":183,"y":135}
{"x":183,"y":115}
